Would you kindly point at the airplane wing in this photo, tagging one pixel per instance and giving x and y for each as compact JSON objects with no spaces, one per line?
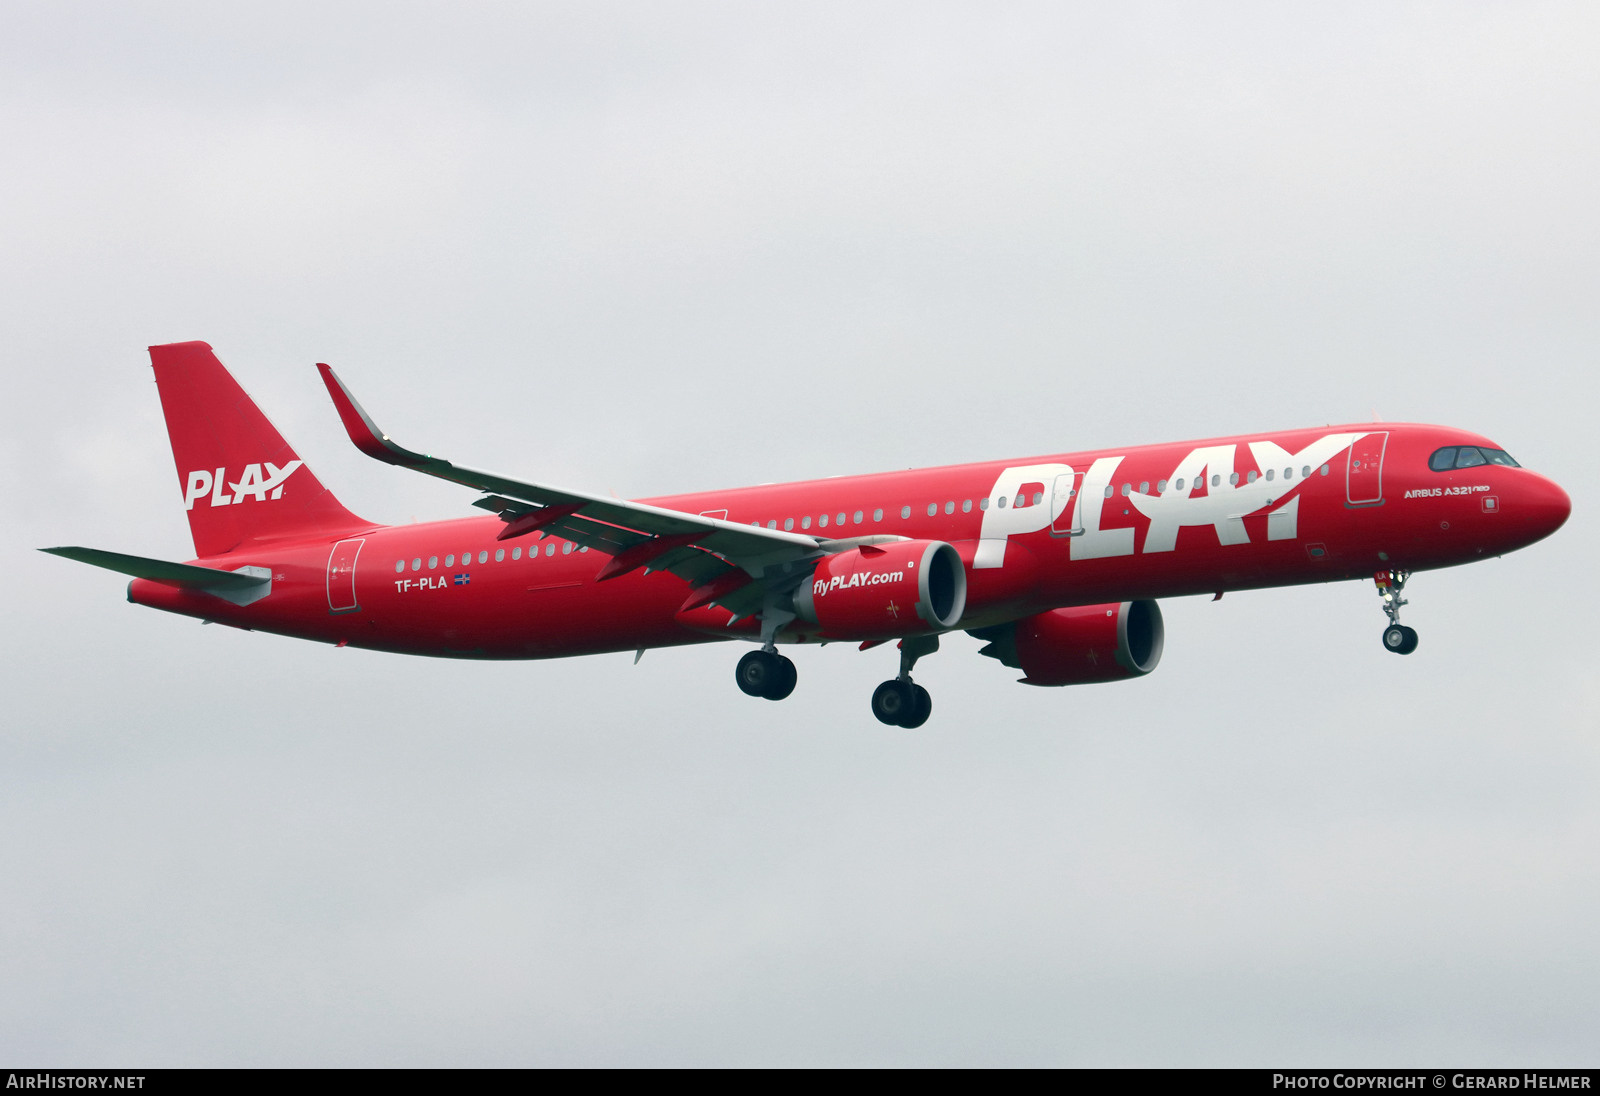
{"x":725,"y":563}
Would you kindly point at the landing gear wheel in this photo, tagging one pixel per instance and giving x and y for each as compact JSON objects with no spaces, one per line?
{"x":755,"y":673}
{"x":893,"y":701}
{"x":900,"y":703}
{"x":921,"y":707}
{"x":1400,"y":639}
{"x":765,"y":674}
{"x":783,"y":681}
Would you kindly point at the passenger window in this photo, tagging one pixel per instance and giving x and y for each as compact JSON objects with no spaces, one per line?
{"x":805,"y":522}
{"x":1324,"y":469}
{"x":1178,"y":486}
{"x":877,"y":515}
{"x":1216,"y":480}
{"x":566,"y":549}
{"x":950,"y":507}
{"x":550,"y":549}
{"x":1161,"y":487}
{"x":1305,"y":472}
{"x":1443,"y":460}
{"x":858,"y":517}
{"x":933,"y":508}
{"x":840,"y":519}
{"x":983,"y":503}
{"x":399,"y":565}
{"x":416,"y":564}
{"x":772,"y":524}
{"x":1001,"y":501}
{"x":1288,"y":473}
{"x":1233,"y":479}
{"x":499,"y":555}
{"x":905,"y":512}
{"x":483,"y":557}
{"x":1144,"y":488}
{"x":450,"y":560}
{"x":1469,"y":457}
{"x":1109,"y":490}
{"x":1269,"y":475}
{"x":966,"y":506}
{"x":516,"y":553}
{"x":433,"y":562}
{"x":788,"y":524}
{"x":1250,"y":477}
{"x":822,"y":522}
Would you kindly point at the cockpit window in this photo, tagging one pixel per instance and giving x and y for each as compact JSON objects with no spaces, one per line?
{"x":1469,"y":456}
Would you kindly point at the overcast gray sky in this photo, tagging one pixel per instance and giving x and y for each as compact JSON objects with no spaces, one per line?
{"x":654,"y":248}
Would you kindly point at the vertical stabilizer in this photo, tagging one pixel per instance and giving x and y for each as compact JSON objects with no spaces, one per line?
{"x":240,"y":481}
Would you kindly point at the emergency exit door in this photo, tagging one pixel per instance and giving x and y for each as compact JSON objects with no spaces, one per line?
{"x":342,"y":576}
{"x":1064,"y":505}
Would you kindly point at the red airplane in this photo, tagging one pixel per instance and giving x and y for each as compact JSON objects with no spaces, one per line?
{"x":1055,"y":562}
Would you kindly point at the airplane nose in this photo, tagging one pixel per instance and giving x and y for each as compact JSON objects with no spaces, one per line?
{"x":1544,"y":507}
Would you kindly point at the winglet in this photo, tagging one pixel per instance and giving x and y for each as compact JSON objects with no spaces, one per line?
{"x":362,"y":430}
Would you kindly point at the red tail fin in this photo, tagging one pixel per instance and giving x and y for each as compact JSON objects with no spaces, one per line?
{"x":241,"y":481}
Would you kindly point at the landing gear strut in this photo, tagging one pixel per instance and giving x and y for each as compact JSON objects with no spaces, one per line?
{"x":901,"y":702}
{"x":1396,"y":637}
{"x":766,"y":673}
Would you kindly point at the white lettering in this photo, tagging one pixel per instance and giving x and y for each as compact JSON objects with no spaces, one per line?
{"x":1094,"y":542}
{"x":250,"y":483}
{"x":276,"y":477}
{"x":218,"y":496}
{"x":1002,"y":522}
{"x":1225,"y":504}
{"x":199,"y":484}
{"x":1284,"y":522}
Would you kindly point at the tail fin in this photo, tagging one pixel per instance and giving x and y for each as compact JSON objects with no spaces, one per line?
{"x":241,"y":481}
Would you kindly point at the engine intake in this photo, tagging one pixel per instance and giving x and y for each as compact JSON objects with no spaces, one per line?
{"x":1083,"y":645}
{"x":884,"y":591}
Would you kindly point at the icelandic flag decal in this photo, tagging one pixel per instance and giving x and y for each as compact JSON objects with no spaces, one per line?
{"x":462,"y":579}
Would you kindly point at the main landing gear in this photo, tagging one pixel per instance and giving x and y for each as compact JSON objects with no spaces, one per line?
{"x":901,"y":702}
{"x":1396,"y":637}
{"x":765,"y":674}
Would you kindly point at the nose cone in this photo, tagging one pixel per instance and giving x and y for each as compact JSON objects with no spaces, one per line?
{"x":1542,"y":507}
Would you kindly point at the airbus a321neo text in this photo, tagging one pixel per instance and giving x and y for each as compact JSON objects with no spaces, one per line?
{"x":1053,"y":562}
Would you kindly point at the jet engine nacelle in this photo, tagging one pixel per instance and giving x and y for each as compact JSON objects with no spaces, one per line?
{"x":884,"y":591}
{"x":1081,"y":645}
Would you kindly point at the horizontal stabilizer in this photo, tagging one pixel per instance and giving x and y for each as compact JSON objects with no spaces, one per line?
{"x":241,"y":587}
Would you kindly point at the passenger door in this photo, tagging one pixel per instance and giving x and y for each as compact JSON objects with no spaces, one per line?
{"x":1364,"y":477}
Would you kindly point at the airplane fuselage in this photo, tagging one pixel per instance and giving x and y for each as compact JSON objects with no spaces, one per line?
{"x":1286,"y":508}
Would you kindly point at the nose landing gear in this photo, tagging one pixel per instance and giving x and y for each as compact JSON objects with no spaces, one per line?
{"x":901,"y":702}
{"x":1396,"y":637}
